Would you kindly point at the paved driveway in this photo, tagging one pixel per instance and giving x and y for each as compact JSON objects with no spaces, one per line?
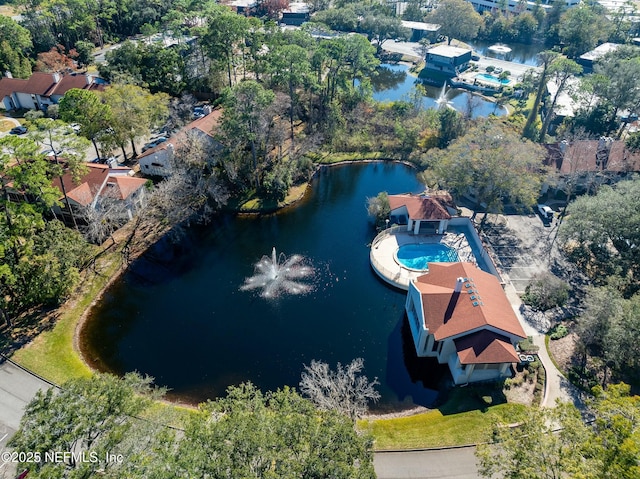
{"x":459,"y":463}
{"x":17,"y":389}
{"x":521,"y":244}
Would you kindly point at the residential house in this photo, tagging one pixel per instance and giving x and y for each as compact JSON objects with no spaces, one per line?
{"x":447,"y":60}
{"x":101,"y":183}
{"x":423,"y":214}
{"x":583,"y":165}
{"x":587,"y":60}
{"x":461,"y":316}
{"x":157,"y":160}
{"x":296,"y":14}
{"x":43,"y":89}
{"x":420,"y":30}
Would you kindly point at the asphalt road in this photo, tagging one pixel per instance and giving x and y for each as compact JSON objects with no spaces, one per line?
{"x":17,"y":388}
{"x":459,"y":463}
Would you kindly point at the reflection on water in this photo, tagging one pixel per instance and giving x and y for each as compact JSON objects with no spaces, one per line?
{"x":396,"y":83}
{"x":180,"y":315}
{"x":388,"y":78}
{"x":520,"y":53}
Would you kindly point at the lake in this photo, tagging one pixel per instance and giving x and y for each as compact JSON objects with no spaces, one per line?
{"x":394,"y":82}
{"x":179,"y":314}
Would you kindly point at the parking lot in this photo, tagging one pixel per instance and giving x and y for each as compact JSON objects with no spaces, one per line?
{"x":521,"y":246}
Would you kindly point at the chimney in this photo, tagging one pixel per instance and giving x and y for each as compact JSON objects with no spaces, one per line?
{"x":56,"y":77}
{"x":89,"y":79}
{"x":8,"y":74}
{"x":458,"y":287}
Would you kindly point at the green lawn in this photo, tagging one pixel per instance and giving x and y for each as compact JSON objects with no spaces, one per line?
{"x":51,"y":354}
{"x":435,"y":429}
{"x":465,"y":418}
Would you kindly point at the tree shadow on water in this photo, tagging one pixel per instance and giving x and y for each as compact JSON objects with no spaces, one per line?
{"x":428,"y":383}
{"x":410,"y":376}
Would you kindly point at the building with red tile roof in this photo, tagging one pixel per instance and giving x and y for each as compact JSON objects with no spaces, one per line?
{"x":421,"y":213}
{"x":99,"y":183}
{"x":157,"y":160}
{"x":583,"y":164}
{"x":43,"y":89}
{"x":461,"y":315}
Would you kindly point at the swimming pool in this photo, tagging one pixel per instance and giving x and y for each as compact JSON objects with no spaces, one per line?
{"x":418,"y":256}
{"x":491,"y":79}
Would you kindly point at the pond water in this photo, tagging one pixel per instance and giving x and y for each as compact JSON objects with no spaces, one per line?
{"x":525,"y":54}
{"x":394,"y":83}
{"x":180,"y":315}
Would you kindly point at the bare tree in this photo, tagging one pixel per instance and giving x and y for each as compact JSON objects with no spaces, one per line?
{"x":99,"y":222}
{"x":194,"y":190}
{"x":343,"y":390}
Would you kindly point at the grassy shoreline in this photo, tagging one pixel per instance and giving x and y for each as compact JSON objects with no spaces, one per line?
{"x":54,"y":355}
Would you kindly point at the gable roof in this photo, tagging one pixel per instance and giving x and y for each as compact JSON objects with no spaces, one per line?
{"x":10,"y":85}
{"x":480,"y":303}
{"x":485,"y":347}
{"x":420,"y":207}
{"x":582,"y":156}
{"x":94,"y":181}
{"x":205,"y":125}
{"x":47,"y":84}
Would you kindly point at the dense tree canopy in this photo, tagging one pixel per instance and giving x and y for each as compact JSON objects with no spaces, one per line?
{"x":492,"y":163}
{"x":15,"y":44}
{"x":40,"y":259}
{"x":247,"y":434}
{"x":601,"y":234}
{"x":555,"y":442}
{"x":457,"y":18}
{"x":581,"y":28}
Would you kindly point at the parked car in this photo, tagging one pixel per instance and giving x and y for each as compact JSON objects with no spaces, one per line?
{"x":50,"y":153}
{"x":497,"y":70}
{"x":18,"y":130}
{"x":154,"y":143}
{"x":198,"y":112}
{"x":545,"y":211}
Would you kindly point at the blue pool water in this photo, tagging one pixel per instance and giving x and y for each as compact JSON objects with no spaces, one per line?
{"x":417,"y":256}
{"x":491,"y":79}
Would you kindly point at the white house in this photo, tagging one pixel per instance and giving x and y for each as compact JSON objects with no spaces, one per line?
{"x":157,"y":160}
{"x":460,"y":315}
{"x":423,"y":214}
{"x":43,"y":89}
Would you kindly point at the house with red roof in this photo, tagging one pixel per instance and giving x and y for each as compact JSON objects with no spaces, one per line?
{"x":43,"y":89}
{"x":423,"y":214}
{"x":157,"y":160}
{"x":582,"y":165}
{"x":461,"y":316}
{"x":101,"y":183}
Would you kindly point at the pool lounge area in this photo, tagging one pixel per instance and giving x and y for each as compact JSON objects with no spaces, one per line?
{"x":461,"y":237}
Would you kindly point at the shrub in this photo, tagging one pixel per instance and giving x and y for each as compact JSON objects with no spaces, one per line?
{"x":546,"y":291}
{"x":490,"y":68}
{"x":558,"y":331}
{"x":526,"y":345}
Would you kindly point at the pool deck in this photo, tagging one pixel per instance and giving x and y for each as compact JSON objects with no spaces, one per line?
{"x":385,"y":245}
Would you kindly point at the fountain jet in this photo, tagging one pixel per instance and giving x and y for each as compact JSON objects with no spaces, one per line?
{"x":279,"y":274}
{"x":442,"y":101}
